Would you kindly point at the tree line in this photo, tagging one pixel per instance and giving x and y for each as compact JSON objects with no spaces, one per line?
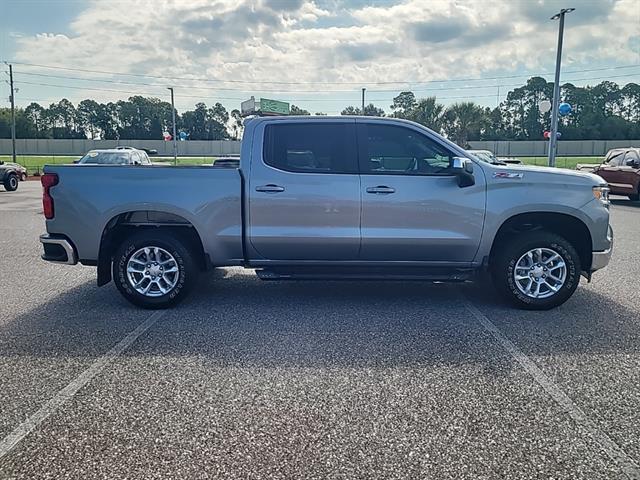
{"x":605,"y":111}
{"x":138,"y":118}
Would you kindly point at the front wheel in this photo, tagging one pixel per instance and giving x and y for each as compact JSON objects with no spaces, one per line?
{"x":153,"y":269}
{"x":634,"y":197}
{"x":536,"y":270}
{"x":11,"y":182}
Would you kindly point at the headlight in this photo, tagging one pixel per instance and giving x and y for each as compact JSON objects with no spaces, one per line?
{"x":601,"y":192}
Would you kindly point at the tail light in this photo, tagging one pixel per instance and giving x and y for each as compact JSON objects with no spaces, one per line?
{"x":48,"y":180}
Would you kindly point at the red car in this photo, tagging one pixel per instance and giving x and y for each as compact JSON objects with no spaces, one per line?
{"x":621,"y":170}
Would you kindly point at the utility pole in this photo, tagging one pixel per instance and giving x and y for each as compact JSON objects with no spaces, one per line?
{"x":13,"y":114}
{"x":363,"y":90}
{"x":553,"y":140}
{"x":173,"y":116}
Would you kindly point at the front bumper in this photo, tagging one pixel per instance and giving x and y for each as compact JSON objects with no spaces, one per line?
{"x":58,"y":249}
{"x":601,"y":259}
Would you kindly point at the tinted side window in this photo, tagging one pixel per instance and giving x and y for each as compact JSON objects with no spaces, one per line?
{"x":395,"y":150}
{"x":311,"y":147}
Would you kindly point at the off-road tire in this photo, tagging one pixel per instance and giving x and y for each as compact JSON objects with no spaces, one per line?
{"x":507,"y":254}
{"x":178,"y":248}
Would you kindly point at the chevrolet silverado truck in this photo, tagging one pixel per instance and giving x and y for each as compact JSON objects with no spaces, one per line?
{"x":331,"y":198}
{"x":621,"y":170}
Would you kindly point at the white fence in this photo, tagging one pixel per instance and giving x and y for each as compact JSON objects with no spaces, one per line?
{"x":203,"y":148}
{"x":194,"y":148}
{"x":540,"y":148}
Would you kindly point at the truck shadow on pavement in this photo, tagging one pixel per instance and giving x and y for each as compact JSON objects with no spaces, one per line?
{"x":625,"y":203}
{"x":242,"y":321}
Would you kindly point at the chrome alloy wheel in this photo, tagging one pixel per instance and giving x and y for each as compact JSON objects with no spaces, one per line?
{"x":152,"y":271}
{"x":540,"y":273}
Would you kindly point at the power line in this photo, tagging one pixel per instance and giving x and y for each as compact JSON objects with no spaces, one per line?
{"x":311,"y":99}
{"x":238,"y":98}
{"x":274,"y":82}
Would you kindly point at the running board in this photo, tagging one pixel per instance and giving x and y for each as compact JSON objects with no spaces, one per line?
{"x":420,"y":274}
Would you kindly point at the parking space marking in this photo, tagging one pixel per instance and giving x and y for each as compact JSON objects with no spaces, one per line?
{"x":51,"y":406}
{"x":612,"y":449}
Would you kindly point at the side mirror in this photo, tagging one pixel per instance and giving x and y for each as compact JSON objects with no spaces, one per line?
{"x":463,"y":169}
{"x":75,"y":162}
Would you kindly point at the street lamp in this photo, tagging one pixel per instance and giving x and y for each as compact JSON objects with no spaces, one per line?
{"x":173,"y":116}
{"x":553,"y":140}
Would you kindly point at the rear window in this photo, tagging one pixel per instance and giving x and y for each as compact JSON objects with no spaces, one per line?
{"x":311,"y":147}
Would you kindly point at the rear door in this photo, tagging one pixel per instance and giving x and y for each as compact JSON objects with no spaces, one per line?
{"x":412,"y":207}
{"x":304,"y":191}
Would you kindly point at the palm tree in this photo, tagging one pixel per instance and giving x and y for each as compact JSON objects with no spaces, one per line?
{"x":463,"y":121}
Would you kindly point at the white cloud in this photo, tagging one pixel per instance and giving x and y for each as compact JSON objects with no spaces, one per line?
{"x":306,"y":41}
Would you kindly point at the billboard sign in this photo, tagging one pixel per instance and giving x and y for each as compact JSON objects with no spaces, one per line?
{"x":273,"y":107}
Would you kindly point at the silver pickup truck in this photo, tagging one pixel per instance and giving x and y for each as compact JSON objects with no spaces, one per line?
{"x":331,"y":197}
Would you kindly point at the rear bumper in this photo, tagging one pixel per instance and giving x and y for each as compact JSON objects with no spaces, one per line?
{"x":601,"y":259}
{"x":58,"y":249}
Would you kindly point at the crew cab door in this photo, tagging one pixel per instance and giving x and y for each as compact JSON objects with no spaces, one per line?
{"x":412,"y":206}
{"x":304,"y":191}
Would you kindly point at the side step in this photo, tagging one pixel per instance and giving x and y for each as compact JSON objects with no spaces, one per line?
{"x":333,"y":273}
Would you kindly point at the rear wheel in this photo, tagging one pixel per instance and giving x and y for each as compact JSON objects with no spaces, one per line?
{"x":536,"y":270}
{"x":153,"y":269}
{"x":11,"y":182}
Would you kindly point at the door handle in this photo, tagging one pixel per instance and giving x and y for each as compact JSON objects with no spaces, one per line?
{"x":381,"y":190}
{"x":271,"y":188}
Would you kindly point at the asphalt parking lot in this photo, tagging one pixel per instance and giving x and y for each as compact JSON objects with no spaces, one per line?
{"x":249,"y":379}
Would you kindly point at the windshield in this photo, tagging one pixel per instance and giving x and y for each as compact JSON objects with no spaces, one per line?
{"x":106,"y":158}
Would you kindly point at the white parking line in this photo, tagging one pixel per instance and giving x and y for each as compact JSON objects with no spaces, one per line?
{"x":615,"y":452}
{"x":50,"y":407}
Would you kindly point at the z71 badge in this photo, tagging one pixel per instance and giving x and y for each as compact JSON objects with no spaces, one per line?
{"x":512,"y":175}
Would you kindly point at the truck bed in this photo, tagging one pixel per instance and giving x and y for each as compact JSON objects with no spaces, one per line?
{"x":88,"y":197}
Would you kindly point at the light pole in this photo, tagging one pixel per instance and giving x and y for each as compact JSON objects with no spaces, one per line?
{"x":363,"y":90}
{"x":553,"y":140}
{"x":13,"y":115}
{"x":173,"y":116}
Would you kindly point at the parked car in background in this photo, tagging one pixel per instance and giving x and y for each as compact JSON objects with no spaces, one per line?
{"x":332,"y":197}
{"x":22,"y":171}
{"x":116,"y":156}
{"x":621,"y":169}
{"x":10,"y":175}
{"x":488,"y":156}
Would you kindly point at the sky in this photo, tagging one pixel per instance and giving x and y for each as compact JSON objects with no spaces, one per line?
{"x":316,"y":54}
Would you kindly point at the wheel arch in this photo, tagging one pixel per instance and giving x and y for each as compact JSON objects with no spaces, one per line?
{"x":572,"y":228}
{"x":122,"y":225}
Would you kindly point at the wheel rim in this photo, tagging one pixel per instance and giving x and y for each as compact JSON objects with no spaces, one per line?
{"x":540,"y":273}
{"x":13,"y":182}
{"x":152,"y":271}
